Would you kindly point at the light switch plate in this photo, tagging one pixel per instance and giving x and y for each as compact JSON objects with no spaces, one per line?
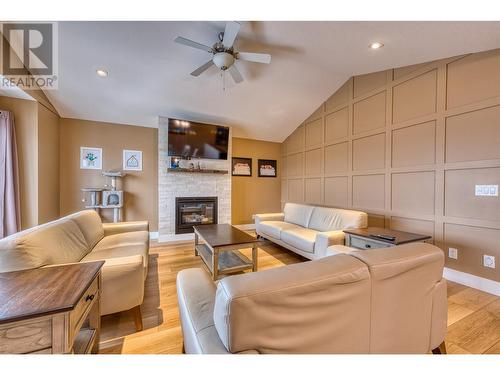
{"x":486,"y":191}
{"x":452,"y":253}
{"x":489,"y":261}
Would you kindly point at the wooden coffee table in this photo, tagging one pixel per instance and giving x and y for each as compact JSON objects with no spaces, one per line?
{"x":219,"y":249}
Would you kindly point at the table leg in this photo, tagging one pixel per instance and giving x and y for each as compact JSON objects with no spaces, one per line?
{"x":255,"y":250}
{"x":215,"y":264}
{"x":195,"y":243}
{"x":95,"y":319}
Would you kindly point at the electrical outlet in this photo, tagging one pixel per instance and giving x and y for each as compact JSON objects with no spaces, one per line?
{"x":486,"y":191}
{"x":489,"y":261}
{"x":452,"y":253}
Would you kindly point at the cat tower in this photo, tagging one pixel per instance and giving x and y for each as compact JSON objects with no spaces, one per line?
{"x":106,"y":197}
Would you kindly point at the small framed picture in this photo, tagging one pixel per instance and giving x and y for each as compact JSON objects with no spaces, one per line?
{"x":90,"y":158}
{"x":242,"y":167}
{"x":132,"y":160}
{"x":267,"y":168}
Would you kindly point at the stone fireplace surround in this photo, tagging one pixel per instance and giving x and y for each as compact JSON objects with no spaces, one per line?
{"x":173,"y":185}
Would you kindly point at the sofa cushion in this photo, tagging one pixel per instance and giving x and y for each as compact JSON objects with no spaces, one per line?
{"x":122,"y":245}
{"x":90,"y":224}
{"x":122,"y":239}
{"x":274,"y":228}
{"x":301,"y":238}
{"x":57,"y":242}
{"x":298,"y":214}
{"x":325,"y":219}
{"x":120,"y":252}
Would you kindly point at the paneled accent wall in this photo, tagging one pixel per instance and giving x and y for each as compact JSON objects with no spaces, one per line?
{"x":408,"y":145}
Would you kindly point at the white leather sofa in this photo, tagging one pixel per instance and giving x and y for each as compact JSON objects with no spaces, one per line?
{"x":368,"y":301}
{"x":308,"y":230}
{"x":82,"y":237}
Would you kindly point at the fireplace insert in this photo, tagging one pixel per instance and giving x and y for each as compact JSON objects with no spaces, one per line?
{"x":190,"y":211}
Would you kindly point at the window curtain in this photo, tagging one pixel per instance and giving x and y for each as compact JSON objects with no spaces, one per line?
{"x":10,"y":218}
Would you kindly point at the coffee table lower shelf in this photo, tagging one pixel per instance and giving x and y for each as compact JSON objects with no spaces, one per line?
{"x":229,"y":261}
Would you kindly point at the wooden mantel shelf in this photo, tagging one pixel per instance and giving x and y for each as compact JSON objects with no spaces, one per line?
{"x":191,"y":170}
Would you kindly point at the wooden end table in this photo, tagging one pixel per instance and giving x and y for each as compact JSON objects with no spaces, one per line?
{"x":51,"y":310}
{"x":219,"y":250}
{"x":365,"y":238}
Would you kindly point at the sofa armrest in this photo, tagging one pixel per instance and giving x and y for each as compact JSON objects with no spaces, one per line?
{"x":196,"y":298}
{"x":128,"y":226}
{"x":325,"y":239}
{"x":279,"y":216}
{"x":122,"y":284}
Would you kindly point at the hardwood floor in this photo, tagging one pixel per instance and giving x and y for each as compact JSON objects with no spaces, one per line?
{"x":473,"y":316}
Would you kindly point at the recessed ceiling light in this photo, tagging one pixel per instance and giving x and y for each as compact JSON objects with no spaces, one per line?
{"x":376,"y":45}
{"x":102,"y":72}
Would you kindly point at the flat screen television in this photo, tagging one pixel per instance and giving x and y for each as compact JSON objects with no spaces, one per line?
{"x":189,"y":139}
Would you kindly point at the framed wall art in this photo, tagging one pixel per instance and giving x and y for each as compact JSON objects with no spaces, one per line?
{"x":242,"y":167}
{"x":132,"y":160}
{"x":267,"y":168}
{"x":90,"y":158}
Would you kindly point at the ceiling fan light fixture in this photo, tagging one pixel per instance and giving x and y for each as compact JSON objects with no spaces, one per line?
{"x":223,"y":60}
{"x":376,"y":45}
{"x":223,"y":55}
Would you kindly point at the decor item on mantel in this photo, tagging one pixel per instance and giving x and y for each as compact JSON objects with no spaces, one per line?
{"x":174,"y":162}
{"x":267,"y":168}
{"x":241,"y":166}
{"x":193,"y":170}
{"x":106,"y":197}
{"x":178,"y":164}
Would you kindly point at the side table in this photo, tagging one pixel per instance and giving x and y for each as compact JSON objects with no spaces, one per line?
{"x":53,"y":310}
{"x":365,"y":238}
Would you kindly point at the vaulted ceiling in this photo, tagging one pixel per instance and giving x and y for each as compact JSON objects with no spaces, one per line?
{"x":149,"y":73}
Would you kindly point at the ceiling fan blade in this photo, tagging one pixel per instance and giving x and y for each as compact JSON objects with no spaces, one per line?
{"x":202,"y":68}
{"x":235,"y":73}
{"x":230,"y":33}
{"x":263,"y":58}
{"x":190,"y":43}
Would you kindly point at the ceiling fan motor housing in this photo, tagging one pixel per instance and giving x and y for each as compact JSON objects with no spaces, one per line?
{"x":223,"y":60}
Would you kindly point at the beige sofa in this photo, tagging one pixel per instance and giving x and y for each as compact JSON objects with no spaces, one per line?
{"x":82,"y":237}
{"x":308,"y":230}
{"x":371,"y":301}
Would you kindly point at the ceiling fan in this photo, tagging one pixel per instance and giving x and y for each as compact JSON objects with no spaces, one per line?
{"x":223,"y":54}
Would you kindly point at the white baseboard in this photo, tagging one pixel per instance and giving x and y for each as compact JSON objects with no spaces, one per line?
{"x":245,"y":226}
{"x":476,"y":282}
{"x":154,"y":235}
{"x":174,"y":238}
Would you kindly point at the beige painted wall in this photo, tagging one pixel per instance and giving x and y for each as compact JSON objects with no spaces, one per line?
{"x":25,"y":118}
{"x":140,"y":187}
{"x":48,"y":165}
{"x":251,"y":195}
{"x":408,"y":146}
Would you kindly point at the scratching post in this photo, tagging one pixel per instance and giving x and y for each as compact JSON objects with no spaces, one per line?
{"x":107,"y":197}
